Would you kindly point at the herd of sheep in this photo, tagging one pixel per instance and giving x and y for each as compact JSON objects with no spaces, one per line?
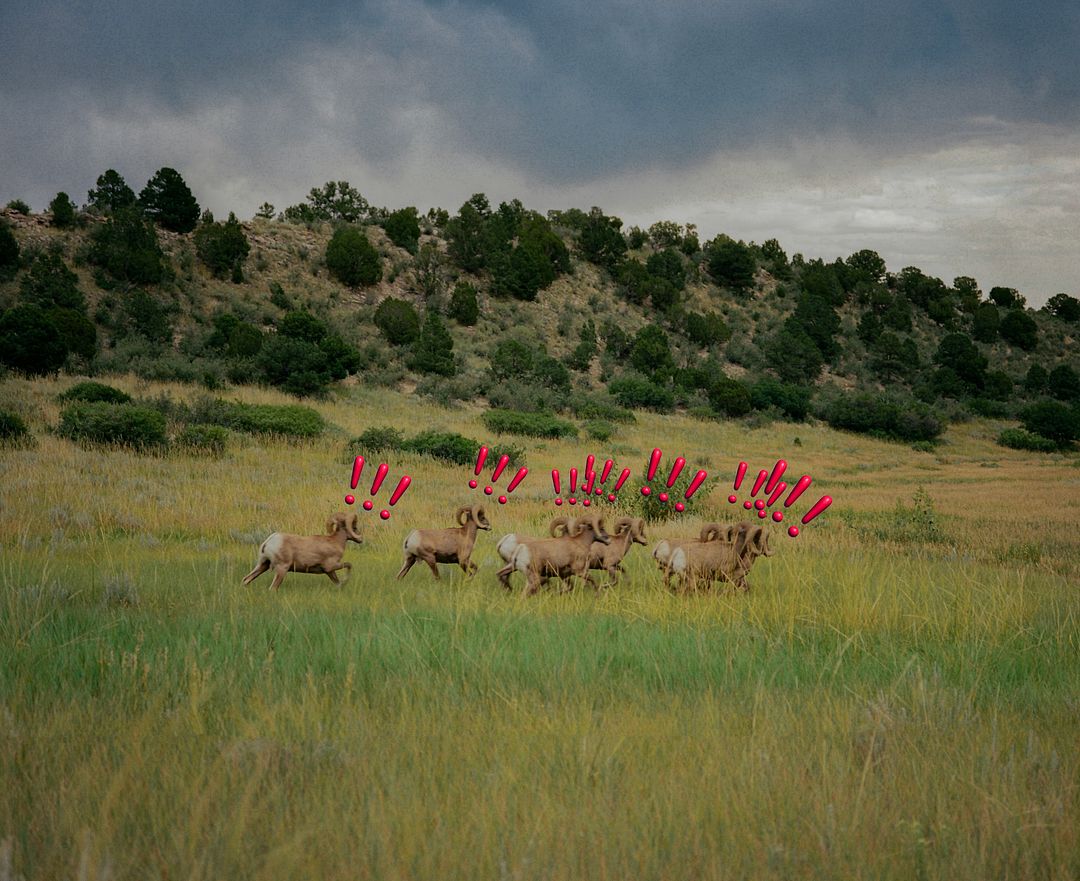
{"x":576,"y":546}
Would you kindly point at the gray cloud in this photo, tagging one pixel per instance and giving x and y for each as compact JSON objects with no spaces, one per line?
{"x":427,"y":102}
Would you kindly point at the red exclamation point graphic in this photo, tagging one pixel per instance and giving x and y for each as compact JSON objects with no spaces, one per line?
{"x":778,"y":471}
{"x":604,"y":476}
{"x":799,"y":489}
{"x":514,"y":481}
{"x":695,"y":484}
{"x":398,"y":492}
{"x":778,"y":491}
{"x":618,"y":483}
{"x":654,"y":463}
{"x":357,"y":469}
{"x":380,"y":476}
{"x":590,"y":477}
{"x":676,"y":469}
{"x":590,"y":461}
{"x":739,"y":475}
{"x":481,"y":457}
{"x":504,"y":460}
{"x":819,"y":506}
{"x":556,"y":482}
{"x":573,"y":486}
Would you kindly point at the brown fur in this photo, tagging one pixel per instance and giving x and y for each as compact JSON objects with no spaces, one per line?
{"x":452,"y":545}
{"x":312,"y":554}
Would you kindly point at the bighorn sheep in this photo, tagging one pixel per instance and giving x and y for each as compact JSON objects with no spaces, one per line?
{"x":609,"y":557}
{"x":709,"y":532}
{"x":557,"y":557}
{"x":707,"y":561}
{"x":509,"y":542}
{"x":313,"y":554}
{"x":453,"y":545}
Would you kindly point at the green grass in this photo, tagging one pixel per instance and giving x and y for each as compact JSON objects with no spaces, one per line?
{"x":895,"y":698}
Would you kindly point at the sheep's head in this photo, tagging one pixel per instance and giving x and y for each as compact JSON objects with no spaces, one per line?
{"x":348,"y":522}
{"x":718,"y":532}
{"x":761,"y":542}
{"x":752,"y":541}
{"x":480,"y":516}
{"x":635,"y":526}
{"x":593,"y":523}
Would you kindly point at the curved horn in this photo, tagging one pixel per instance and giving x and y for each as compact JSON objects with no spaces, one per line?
{"x":333,"y":523}
{"x":352,"y":526}
{"x":559,"y":526}
{"x":638,"y":528}
{"x":480,"y":516}
{"x":622,"y":524}
{"x":461,"y":515}
{"x":742,"y":538}
{"x":710,"y":532}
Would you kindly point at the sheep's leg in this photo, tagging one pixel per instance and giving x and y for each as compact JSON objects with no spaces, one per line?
{"x":256,"y":572}
{"x":532,"y":582}
{"x":504,"y":575}
{"x":468,"y":567}
{"x":279,"y":575}
{"x":432,"y":565}
{"x":409,"y":560}
{"x":332,"y":573}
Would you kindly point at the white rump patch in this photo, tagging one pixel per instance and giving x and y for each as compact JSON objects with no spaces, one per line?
{"x":271,"y":548}
{"x":662,"y":552}
{"x":412,"y":542}
{"x":522,"y":558}
{"x":677,"y":561}
{"x":507,"y":545}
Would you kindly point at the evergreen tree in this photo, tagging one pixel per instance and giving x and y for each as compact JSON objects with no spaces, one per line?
{"x":222,"y":246}
{"x":985,"y":323}
{"x":403,"y":229}
{"x":63,"y":211}
{"x":352,"y":259}
{"x":433,"y":351}
{"x":29,"y":342}
{"x":111,"y":194}
{"x":9,"y":250}
{"x":167,"y":200}
{"x":1019,"y":329}
{"x":730,"y":263}
{"x":464,"y":307}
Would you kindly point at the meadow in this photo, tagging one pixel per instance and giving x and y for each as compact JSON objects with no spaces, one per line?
{"x":897,"y":697}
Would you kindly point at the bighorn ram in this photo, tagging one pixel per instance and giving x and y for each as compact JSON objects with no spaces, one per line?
{"x":453,"y":545}
{"x":509,"y":542}
{"x":557,"y":557}
{"x":709,"y":532}
{"x":609,"y":557}
{"x":314,"y":554}
{"x":707,"y":561}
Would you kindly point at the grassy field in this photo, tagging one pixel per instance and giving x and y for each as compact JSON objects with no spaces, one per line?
{"x":898,"y":697}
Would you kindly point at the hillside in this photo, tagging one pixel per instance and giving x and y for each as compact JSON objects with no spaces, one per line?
{"x":671,"y":322}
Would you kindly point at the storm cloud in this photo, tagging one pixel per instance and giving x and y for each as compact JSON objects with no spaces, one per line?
{"x":943,"y":134}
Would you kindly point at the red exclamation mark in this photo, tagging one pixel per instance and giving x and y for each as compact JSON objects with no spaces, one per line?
{"x":514,"y":481}
{"x":739,"y":475}
{"x":618,"y":483}
{"x":573,"y":486}
{"x":481,"y":457}
{"x":398,"y":492}
{"x":380,"y":476}
{"x":695,"y":484}
{"x":819,"y":506}
{"x":654,"y":463}
{"x":357,"y":468}
{"x":556,"y":482}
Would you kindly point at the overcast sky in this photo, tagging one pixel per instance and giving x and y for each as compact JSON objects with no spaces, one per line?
{"x":942,"y":133}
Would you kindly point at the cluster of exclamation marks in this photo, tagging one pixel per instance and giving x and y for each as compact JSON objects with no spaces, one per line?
{"x":676,"y":470}
{"x":500,"y":467}
{"x":592,"y":486}
{"x":380,"y":476}
{"x":774,"y":488}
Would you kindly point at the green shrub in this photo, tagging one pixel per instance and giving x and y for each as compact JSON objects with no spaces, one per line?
{"x":222,"y":246}
{"x":1019,"y":439}
{"x":464,"y":307}
{"x":880,"y":415}
{"x":403,"y":228}
{"x":93,"y":392}
{"x":444,"y":445}
{"x":29,"y":342}
{"x":792,"y":400}
{"x":12,"y":429}
{"x":352,"y":259}
{"x":1052,"y":420}
{"x":988,"y":409}
{"x":18,"y":205}
{"x":599,"y":430}
{"x":9,"y":250}
{"x":528,"y":424}
{"x":398,"y":321}
{"x":127,"y":248}
{"x":204,"y":438}
{"x":103,"y":423}
{"x":640,"y":393}
{"x":377,"y":440}
{"x":168,"y":200}
{"x":729,"y":396}
{"x":598,"y":406}
{"x":290,"y":420}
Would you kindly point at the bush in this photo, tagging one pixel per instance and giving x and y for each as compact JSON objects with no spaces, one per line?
{"x":398,"y":321}
{"x":706,"y":330}
{"x":289,"y":420}
{"x":111,"y":194}
{"x":464,"y":307}
{"x":598,"y":406}
{"x":63,"y":211}
{"x":880,"y":415}
{"x":9,"y":250}
{"x":1019,"y":439}
{"x":1052,"y":420}
{"x":433,"y":351}
{"x":1019,"y":329}
{"x":127,"y":248}
{"x":12,"y":429}
{"x":378,"y":440}
{"x":791,"y":400}
{"x":352,"y":259}
{"x":728,"y":396}
{"x":528,"y":424}
{"x":204,"y":438}
{"x":18,"y":205}
{"x":49,"y":282}
{"x":93,"y":392}
{"x":403,"y":228}
{"x":599,"y":430}
{"x":1063,"y":383}
{"x":103,"y":423}
{"x":29,"y":342}
{"x":222,"y":246}
{"x":444,"y":445}
{"x":730,"y":263}
{"x":641,"y":393}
